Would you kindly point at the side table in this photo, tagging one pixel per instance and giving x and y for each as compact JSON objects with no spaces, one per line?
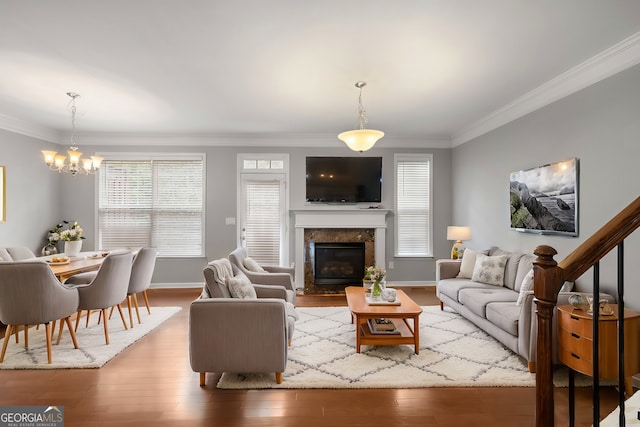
{"x":575,"y":345}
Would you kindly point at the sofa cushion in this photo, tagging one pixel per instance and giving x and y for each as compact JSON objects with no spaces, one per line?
{"x":525,"y":287}
{"x":452,"y":287}
{"x":489,"y":269}
{"x":504,"y":315}
{"x":468,"y":262}
{"x":251,"y":265}
{"x":476,"y":300}
{"x":240,"y":287}
{"x":511,"y":268}
{"x":4,"y":255}
{"x":524,"y":266}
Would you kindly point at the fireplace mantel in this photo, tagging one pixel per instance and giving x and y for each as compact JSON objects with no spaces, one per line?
{"x":338,"y":218}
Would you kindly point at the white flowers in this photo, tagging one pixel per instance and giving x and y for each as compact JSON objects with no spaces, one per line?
{"x":73,"y":233}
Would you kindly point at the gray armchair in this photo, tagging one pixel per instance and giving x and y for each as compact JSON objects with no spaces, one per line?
{"x":30,"y":294}
{"x":107,"y":289}
{"x":238,"y":335}
{"x":272,"y":275}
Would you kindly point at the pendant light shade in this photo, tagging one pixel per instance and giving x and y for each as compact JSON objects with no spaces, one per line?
{"x":361,"y":139}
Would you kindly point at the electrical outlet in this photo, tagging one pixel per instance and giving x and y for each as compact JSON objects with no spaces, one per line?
{"x":390,"y":265}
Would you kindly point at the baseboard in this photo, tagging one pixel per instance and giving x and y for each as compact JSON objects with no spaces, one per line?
{"x":410,"y":283}
{"x":182,"y":285}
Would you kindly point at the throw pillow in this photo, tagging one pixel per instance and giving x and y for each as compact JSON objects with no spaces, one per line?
{"x":527,"y":285}
{"x":489,"y":269}
{"x":240,"y":287}
{"x":251,"y":265}
{"x":468,"y":263}
{"x":567,"y":287}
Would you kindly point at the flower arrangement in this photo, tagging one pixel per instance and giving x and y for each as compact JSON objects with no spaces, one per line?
{"x":375,"y":274}
{"x":71,"y":234}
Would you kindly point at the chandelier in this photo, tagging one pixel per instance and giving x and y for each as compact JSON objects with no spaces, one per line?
{"x":361,"y":139}
{"x":76,"y":165}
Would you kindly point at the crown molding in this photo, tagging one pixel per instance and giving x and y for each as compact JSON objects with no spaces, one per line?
{"x":617,"y":58}
{"x":14,"y":125}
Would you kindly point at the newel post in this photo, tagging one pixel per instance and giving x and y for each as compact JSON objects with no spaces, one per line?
{"x":547,"y":281}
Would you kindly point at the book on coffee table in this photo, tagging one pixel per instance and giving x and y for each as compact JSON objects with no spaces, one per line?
{"x":382,"y":326}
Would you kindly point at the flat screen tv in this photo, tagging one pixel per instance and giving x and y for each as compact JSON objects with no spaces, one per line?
{"x":544,"y":199}
{"x":344,"y":180}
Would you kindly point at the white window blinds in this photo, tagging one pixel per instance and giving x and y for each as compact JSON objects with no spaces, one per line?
{"x":263,"y":220}
{"x":152,"y":202}
{"x":413,"y":205}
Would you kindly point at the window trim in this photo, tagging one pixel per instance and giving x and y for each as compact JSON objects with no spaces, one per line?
{"x":157,"y":156}
{"x":399,"y":157}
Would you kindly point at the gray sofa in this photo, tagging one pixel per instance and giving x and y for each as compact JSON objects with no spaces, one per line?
{"x":493,"y":308}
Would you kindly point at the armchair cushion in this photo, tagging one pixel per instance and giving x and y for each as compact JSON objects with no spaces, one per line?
{"x":251,"y":265}
{"x":240,"y":287}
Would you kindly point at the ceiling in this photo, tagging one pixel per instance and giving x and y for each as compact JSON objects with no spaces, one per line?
{"x":437,"y":71}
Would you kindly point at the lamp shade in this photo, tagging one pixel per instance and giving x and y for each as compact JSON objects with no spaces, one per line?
{"x":458,"y":233}
{"x":361,"y":139}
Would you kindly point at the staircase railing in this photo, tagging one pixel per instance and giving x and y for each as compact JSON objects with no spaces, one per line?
{"x":548,"y":279}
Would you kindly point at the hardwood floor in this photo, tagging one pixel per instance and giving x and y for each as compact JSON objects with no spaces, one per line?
{"x":151,"y":383}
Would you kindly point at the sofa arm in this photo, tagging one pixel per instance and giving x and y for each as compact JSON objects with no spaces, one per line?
{"x":282,"y":279}
{"x":277,"y":269}
{"x":235,"y":335}
{"x":271,"y":291}
{"x":447,"y":269}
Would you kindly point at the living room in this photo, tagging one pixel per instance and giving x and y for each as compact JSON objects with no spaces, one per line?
{"x":587,"y":113}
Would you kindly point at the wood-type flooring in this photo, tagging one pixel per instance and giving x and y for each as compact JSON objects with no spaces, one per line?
{"x":151,"y":384}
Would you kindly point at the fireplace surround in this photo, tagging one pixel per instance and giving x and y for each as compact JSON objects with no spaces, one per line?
{"x":337,"y":225}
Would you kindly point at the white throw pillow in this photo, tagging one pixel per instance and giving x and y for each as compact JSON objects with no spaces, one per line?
{"x":468,"y":263}
{"x":240,"y":287}
{"x":489,"y":269}
{"x":567,"y":287}
{"x":525,"y":287}
{"x":251,"y":265}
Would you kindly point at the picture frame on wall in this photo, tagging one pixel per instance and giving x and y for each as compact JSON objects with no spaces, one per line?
{"x":544,"y":199}
{"x":3,"y":191}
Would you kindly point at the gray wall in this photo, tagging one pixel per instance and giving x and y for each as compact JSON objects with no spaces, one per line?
{"x":39,"y":199}
{"x":601,"y":126}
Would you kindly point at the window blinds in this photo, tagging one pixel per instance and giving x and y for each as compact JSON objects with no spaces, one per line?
{"x":413,"y":211}
{"x":263,"y":221}
{"x":152,"y":202}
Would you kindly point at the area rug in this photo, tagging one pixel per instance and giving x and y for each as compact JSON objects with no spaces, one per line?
{"x":92,"y":351}
{"x":453,"y":353}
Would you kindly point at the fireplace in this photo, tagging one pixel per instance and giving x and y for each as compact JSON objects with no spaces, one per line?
{"x":338,"y":263}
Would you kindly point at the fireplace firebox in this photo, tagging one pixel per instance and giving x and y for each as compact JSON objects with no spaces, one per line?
{"x":338,"y":263}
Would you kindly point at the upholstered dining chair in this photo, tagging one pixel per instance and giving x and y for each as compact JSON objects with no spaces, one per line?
{"x":107,"y":289}
{"x":30,"y":294}
{"x":144,"y":262}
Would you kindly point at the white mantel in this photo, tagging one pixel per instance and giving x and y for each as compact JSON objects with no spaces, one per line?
{"x":338,"y":218}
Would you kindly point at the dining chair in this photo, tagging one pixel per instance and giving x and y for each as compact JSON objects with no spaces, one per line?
{"x":144,"y":262}
{"x":30,"y":294}
{"x":108,"y":288}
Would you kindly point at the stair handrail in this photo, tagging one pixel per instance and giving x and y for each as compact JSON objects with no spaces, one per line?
{"x":548,"y":279}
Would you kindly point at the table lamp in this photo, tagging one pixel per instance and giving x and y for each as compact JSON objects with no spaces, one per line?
{"x":458,"y":234}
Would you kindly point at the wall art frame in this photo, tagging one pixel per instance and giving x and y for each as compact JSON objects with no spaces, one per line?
{"x":544,"y":199}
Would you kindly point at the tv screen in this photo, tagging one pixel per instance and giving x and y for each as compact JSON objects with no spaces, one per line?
{"x":544,"y":199}
{"x":344,"y":179}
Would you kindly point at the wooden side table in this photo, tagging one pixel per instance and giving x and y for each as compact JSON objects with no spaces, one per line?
{"x":575,"y":345}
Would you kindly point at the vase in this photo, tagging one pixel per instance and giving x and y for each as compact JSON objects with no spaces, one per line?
{"x":367,"y":283}
{"x":72,"y":248}
{"x":49,"y":250}
{"x":376,"y":290}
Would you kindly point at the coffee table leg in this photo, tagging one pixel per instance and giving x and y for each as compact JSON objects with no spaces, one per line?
{"x":357,"y":333}
{"x":416,"y":334}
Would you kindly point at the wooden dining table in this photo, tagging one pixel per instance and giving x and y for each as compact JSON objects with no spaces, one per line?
{"x":79,"y":264}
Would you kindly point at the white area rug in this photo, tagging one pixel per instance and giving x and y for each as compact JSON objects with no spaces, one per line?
{"x":453,"y":353}
{"x":92,"y":351}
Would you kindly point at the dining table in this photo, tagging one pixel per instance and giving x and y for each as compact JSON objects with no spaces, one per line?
{"x":85,"y":261}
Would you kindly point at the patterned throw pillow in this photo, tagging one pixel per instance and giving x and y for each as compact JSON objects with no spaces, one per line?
{"x":251,"y":265}
{"x":490,"y":269}
{"x":468,"y":263}
{"x":240,"y":287}
{"x":525,"y":287}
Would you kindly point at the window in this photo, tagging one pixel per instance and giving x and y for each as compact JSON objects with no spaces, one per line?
{"x":413,"y":205}
{"x":154,"y":200}
{"x":263,"y":207}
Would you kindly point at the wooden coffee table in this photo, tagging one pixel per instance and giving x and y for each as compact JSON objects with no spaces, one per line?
{"x":361,"y":312}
